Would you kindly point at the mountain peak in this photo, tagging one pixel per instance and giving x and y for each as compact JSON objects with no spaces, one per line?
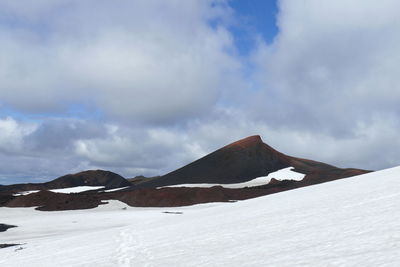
{"x":249,"y":141}
{"x":237,"y":162}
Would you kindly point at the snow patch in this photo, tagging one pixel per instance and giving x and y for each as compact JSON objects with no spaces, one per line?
{"x":282,"y":174}
{"x":115,"y":189}
{"x":68,"y":190}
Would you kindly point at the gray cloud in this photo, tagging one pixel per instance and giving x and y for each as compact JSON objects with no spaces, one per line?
{"x":150,"y":61}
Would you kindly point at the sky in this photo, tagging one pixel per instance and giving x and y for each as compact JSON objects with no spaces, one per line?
{"x":144,"y":87}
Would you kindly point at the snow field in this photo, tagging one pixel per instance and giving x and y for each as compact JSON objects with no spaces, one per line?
{"x":348,"y":222}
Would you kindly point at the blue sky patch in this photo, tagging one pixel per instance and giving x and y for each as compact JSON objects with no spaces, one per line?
{"x":255,"y":19}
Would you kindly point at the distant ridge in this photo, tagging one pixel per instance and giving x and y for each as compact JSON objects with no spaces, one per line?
{"x":86,"y":178}
{"x":90,"y":178}
{"x":240,"y":161}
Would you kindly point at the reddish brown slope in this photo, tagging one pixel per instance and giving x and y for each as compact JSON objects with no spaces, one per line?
{"x":242,"y":161}
{"x":237,"y":162}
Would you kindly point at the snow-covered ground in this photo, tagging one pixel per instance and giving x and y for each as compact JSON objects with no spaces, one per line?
{"x":69,"y":190}
{"x":349,"y":222}
{"x":283,"y":174}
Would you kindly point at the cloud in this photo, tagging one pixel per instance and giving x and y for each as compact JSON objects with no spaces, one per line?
{"x":12,"y":135}
{"x":328,"y":60}
{"x":143,"y":60}
{"x":331,"y":74}
{"x":33,"y":151}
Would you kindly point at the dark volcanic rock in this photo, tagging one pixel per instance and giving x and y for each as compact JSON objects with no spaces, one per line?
{"x":183,"y":196}
{"x":165,"y":197}
{"x":49,"y":201}
{"x":89,"y":178}
{"x":5,"y":197}
{"x":5,"y":227}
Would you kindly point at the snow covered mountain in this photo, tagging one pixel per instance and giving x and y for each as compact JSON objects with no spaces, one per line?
{"x":348,"y":222}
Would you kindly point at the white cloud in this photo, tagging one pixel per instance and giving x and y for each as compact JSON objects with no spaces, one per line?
{"x":13,"y":133}
{"x":330,"y":59}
